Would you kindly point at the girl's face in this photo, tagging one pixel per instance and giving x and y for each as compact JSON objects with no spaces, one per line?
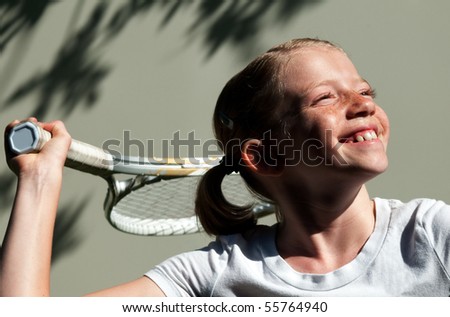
{"x":339,"y":124}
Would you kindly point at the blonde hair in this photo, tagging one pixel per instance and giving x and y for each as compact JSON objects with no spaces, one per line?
{"x":252,"y":103}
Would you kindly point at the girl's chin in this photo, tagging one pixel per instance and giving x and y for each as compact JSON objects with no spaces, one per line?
{"x":370,"y":171}
{"x":369,"y":164}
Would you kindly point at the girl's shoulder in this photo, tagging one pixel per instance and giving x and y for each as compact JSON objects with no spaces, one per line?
{"x":421,"y":209}
{"x":422,"y":218}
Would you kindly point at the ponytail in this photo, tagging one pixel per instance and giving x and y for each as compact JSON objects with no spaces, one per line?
{"x":216,"y":214}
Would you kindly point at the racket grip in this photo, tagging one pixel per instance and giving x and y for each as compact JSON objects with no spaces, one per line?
{"x":27,"y":137}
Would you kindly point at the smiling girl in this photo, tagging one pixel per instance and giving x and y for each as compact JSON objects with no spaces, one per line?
{"x":331,"y":238}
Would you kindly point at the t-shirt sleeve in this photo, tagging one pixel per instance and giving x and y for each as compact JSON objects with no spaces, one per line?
{"x":192,"y":273}
{"x":436,"y":223}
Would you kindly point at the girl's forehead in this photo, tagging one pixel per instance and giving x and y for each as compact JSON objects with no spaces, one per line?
{"x":314,"y":57}
{"x":317,"y":64}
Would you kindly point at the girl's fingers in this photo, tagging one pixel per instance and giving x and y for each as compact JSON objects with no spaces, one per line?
{"x":54,"y":152}
{"x":10,"y":126}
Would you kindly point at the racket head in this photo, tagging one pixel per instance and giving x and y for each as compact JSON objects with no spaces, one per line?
{"x":165,"y":206}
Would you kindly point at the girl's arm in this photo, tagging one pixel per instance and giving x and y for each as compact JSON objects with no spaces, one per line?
{"x":25,"y":256}
{"x":26,"y":250}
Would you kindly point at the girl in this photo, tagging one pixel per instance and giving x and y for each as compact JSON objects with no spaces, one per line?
{"x":310,"y":136}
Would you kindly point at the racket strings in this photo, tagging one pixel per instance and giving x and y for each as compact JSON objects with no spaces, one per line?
{"x":167,"y":206}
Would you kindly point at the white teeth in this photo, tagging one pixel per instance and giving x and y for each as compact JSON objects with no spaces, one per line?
{"x":368,"y":136}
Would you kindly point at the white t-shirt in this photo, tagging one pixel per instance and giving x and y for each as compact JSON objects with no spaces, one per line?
{"x":408,"y":254}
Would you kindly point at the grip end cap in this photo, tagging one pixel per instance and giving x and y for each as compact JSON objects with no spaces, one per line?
{"x":23,"y":138}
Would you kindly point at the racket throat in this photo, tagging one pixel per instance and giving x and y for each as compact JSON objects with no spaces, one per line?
{"x":117,"y":189}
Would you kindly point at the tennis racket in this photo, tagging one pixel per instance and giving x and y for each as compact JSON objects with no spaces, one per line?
{"x":157,"y":197}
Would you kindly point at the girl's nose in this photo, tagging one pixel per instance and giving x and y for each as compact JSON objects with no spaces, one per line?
{"x":360,"y":106}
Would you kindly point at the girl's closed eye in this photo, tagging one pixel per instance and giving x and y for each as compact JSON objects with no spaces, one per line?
{"x":323,"y":99}
{"x":370,"y":92}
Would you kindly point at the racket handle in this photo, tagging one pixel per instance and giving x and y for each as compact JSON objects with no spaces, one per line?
{"x":27,"y":137}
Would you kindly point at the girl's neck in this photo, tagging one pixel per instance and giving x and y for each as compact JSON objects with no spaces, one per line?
{"x":320,"y":237}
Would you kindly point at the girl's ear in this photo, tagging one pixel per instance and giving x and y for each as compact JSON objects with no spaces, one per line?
{"x":258,"y":160}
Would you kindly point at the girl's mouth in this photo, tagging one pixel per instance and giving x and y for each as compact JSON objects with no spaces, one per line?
{"x":361,"y":136}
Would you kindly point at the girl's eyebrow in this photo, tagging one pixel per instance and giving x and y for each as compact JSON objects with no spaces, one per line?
{"x":314,"y":85}
{"x":317,"y":84}
{"x":366,"y":82}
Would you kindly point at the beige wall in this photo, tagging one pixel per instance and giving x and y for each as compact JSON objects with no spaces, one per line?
{"x":158,"y":75}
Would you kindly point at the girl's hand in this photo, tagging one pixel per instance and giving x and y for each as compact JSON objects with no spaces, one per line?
{"x":49,"y":160}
